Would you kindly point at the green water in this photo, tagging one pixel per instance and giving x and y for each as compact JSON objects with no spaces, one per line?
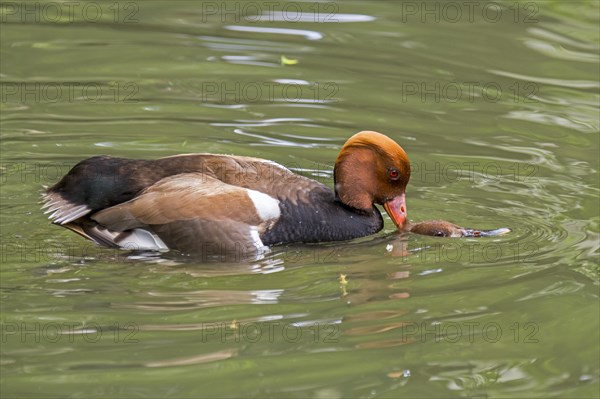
{"x":497,"y":107}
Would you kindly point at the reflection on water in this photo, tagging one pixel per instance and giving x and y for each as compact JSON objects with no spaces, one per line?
{"x":308,"y":34}
{"x":554,"y":46}
{"x":201,"y":299}
{"x":191,"y":360}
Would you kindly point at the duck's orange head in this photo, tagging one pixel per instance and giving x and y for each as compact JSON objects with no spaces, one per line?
{"x":373,"y":169}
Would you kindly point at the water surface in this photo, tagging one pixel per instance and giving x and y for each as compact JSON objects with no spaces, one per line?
{"x":498,"y":112}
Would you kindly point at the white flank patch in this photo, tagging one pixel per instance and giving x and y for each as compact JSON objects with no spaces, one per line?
{"x":266,"y":206}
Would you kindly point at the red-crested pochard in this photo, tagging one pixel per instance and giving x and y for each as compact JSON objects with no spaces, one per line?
{"x":206,"y":203}
{"x":196,"y":203}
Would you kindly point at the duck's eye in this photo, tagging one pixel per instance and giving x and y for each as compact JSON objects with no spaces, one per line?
{"x":393,"y":173}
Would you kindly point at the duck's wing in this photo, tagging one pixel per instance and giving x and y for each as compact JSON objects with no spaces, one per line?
{"x":258,"y":174}
{"x":190,"y":212}
{"x":102,"y":182}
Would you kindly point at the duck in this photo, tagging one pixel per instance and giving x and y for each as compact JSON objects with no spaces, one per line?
{"x":211,"y":203}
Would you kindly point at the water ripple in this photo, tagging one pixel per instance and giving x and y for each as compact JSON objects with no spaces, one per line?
{"x":560,"y":52}
{"x":576,"y":84}
{"x":238,"y":44}
{"x":192,"y":360}
{"x":279,"y":142}
{"x":308,"y":34}
{"x":553,"y":36}
{"x":552,"y":120}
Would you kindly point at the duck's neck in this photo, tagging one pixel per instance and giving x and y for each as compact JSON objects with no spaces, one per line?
{"x":322,"y":220}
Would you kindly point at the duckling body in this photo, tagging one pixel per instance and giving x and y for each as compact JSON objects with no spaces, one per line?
{"x":443,"y":228}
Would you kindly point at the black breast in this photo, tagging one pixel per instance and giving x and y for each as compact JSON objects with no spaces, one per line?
{"x":322,"y":219}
